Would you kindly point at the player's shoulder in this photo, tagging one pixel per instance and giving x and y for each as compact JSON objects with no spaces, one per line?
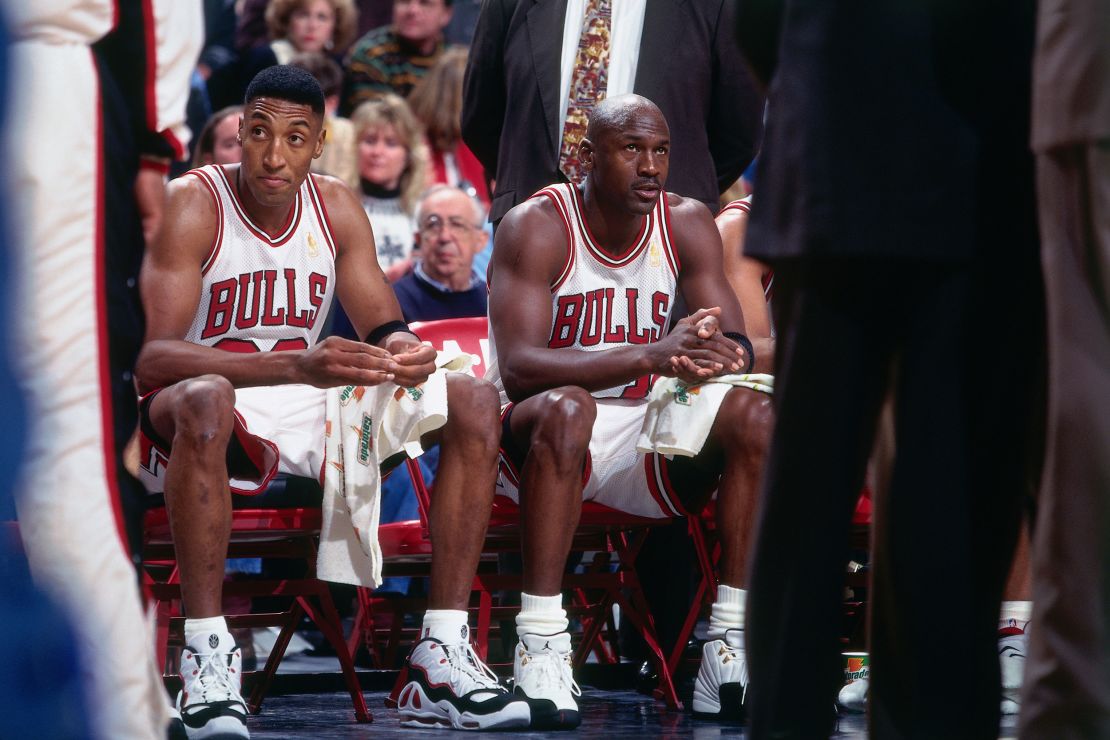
{"x":681,"y":207}
{"x":534,"y":219}
{"x":192,"y":200}
{"x":196,"y":184}
{"x":337,"y":196}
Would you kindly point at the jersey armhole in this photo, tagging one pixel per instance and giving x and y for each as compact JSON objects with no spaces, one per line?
{"x":568,"y":261}
{"x":217,"y":241}
{"x":665,"y":227}
{"x":317,"y":199}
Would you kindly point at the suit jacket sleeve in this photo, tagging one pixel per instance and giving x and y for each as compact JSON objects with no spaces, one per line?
{"x":484,"y":94}
{"x":735,"y":121}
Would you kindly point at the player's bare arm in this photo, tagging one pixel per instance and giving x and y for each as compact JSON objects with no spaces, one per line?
{"x":363,"y":288}
{"x":529,"y":251}
{"x":703,"y":284}
{"x":745,"y":275}
{"x":170,"y":284}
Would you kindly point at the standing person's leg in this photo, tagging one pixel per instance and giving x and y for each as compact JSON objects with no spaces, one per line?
{"x":927,"y":527}
{"x":1067,"y":680}
{"x":68,"y":517}
{"x":831,"y":375}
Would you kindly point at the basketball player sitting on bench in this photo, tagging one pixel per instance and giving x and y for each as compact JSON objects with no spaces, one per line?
{"x":582,"y":284}
{"x":247,"y":261}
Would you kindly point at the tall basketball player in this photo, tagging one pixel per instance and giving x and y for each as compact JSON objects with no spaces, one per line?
{"x":236,"y":290}
{"x":583,"y":281}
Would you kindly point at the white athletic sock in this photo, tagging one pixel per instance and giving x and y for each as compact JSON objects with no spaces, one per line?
{"x":1018,"y":612}
{"x":541,"y":615}
{"x":728,"y":611}
{"x":206,"y":626}
{"x":446,"y":625}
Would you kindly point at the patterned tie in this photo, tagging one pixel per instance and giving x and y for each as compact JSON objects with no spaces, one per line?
{"x":587,"y":84}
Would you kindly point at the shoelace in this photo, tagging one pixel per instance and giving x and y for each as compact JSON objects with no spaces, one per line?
{"x":552,"y":668}
{"x":734,"y":653}
{"x":730,"y":652}
{"x":213,"y":677}
{"x":465,"y":662}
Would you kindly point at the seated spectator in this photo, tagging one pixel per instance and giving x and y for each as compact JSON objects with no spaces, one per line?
{"x":305,"y":26}
{"x":219,"y":142}
{"x":396,"y":57}
{"x":338,"y":159}
{"x":392,"y":167}
{"x":443,"y":284}
{"x":437,"y":103}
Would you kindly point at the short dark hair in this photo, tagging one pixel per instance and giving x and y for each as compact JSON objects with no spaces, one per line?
{"x":287,"y":83}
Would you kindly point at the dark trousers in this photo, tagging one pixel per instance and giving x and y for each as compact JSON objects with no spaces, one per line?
{"x":961,"y":359}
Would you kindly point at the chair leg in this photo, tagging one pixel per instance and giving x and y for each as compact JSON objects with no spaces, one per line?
{"x":326,"y":618}
{"x":481,"y":635}
{"x":635,"y":608}
{"x":591,"y":629}
{"x":362,"y":626}
{"x":280,"y":646}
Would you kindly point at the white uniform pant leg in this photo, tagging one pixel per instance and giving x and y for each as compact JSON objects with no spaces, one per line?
{"x":66,"y":504}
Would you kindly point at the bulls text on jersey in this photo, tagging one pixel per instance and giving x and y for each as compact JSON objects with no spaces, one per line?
{"x":263,"y":298}
{"x":596,"y":317}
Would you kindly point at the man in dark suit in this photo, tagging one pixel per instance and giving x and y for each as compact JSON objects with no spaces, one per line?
{"x":687,"y":62}
{"x":1067,"y":680}
{"x":895,"y":205}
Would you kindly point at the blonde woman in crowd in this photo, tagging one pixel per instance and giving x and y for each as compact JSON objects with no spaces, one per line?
{"x":393,"y":172}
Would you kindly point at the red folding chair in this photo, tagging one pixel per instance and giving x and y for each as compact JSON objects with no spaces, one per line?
{"x":283,"y":523}
{"x":707,"y":549}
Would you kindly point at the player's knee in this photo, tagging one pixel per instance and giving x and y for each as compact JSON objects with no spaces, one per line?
{"x":566,"y":424}
{"x":205,"y":411}
{"x":749,"y":419}
{"x":472,"y":409}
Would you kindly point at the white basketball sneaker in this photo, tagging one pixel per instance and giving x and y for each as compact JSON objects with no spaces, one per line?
{"x":722,"y":682}
{"x":543,"y":676}
{"x":1012,"y":646}
{"x":447,"y":686}
{"x":211,"y":673}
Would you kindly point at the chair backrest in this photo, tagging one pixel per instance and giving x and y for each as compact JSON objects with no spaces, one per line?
{"x":467,"y":335}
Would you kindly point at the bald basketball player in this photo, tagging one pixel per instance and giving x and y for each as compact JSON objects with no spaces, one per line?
{"x":582,"y":284}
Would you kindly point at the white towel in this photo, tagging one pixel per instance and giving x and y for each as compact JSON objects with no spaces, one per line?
{"x":679,"y":416}
{"x":366,"y":425}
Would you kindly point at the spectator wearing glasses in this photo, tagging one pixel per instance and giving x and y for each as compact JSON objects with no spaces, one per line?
{"x":444,"y":283}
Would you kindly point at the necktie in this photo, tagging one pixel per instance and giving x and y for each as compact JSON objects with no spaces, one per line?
{"x":587,"y":83}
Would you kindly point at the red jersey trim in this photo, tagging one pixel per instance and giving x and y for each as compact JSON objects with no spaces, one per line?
{"x":214,"y":251}
{"x":620,"y":260}
{"x":107,"y":432}
{"x":317,"y":199}
{"x":744,"y":205}
{"x":655,"y":487}
{"x":668,"y":245}
{"x":568,"y":263}
{"x":292,"y":222}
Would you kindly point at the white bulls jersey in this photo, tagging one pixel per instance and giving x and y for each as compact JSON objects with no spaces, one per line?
{"x":263,"y":292}
{"x":600,"y":301}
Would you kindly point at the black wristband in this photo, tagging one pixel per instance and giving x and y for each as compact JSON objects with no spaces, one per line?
{"x":386,"y":329}
{"x":746,"y":343}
